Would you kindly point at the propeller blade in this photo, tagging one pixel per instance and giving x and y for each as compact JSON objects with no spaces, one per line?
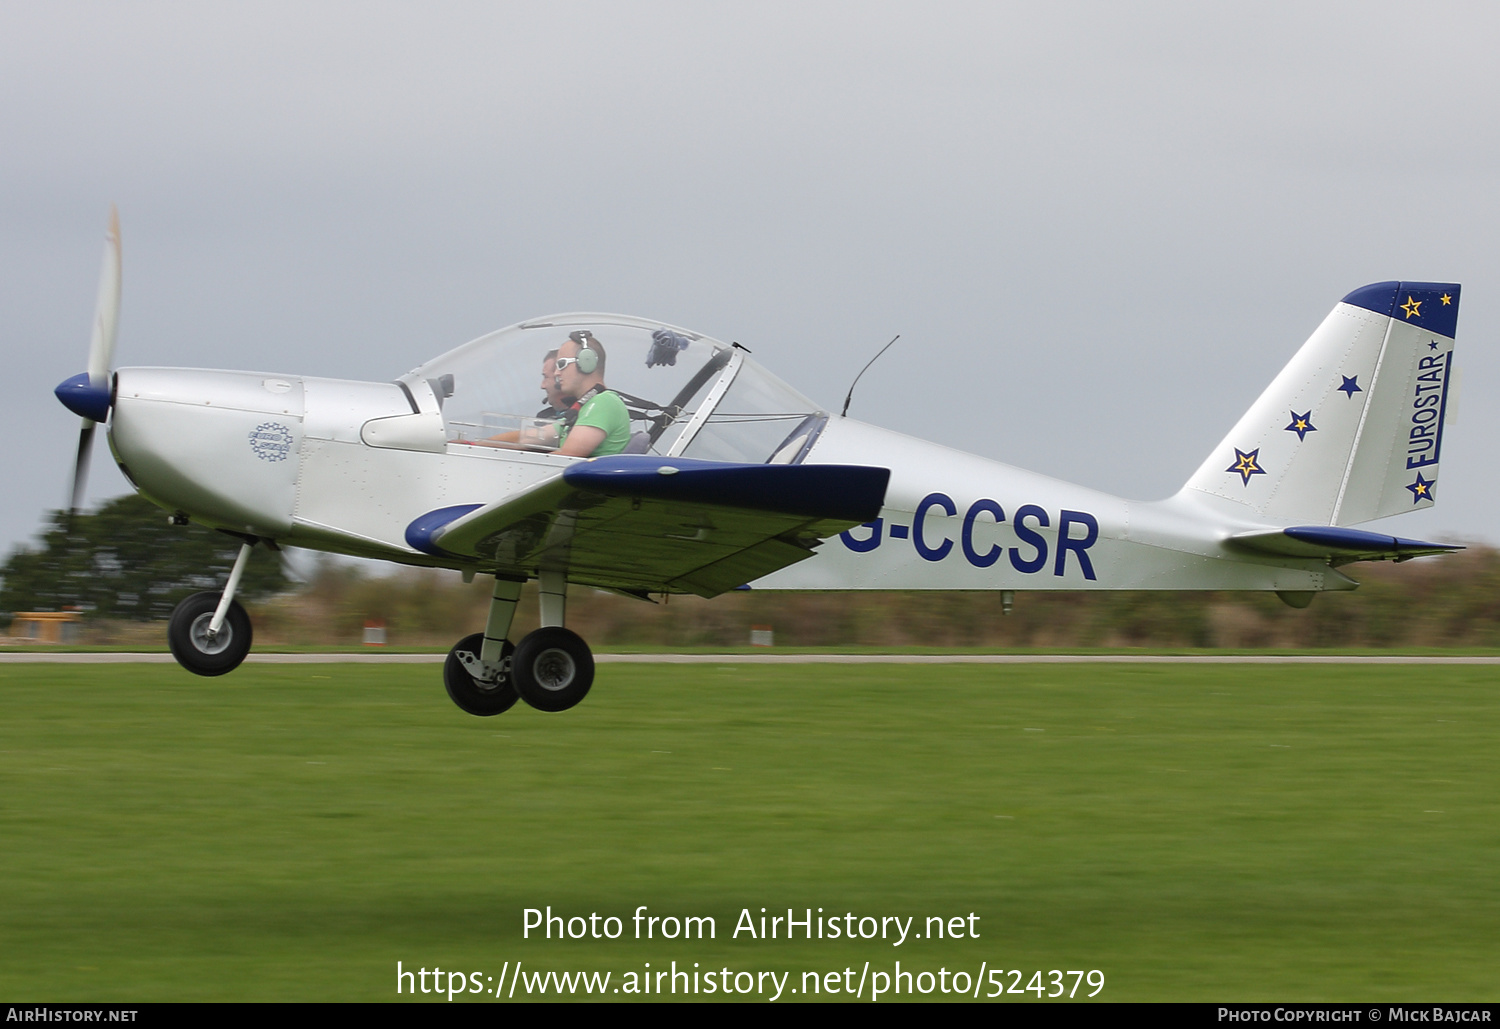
{"x":81,"y":466}
{"x":91,"y":398}
{"x":107,"y":308}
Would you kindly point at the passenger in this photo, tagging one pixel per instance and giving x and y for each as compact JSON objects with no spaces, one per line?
{"x":558,"y":402}
{"x":558,"y":406}
{"x":598,"y":423}
{"x":588,"y":420}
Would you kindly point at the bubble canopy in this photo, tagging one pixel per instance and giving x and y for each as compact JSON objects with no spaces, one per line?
{"x":688,"y":395}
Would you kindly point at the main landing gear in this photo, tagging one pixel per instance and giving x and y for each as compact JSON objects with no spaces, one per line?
{"x":551,"y":669}
{"x":210,"y":632}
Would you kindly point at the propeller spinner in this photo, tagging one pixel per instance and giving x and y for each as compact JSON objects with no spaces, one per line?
{"x":88,"y":393}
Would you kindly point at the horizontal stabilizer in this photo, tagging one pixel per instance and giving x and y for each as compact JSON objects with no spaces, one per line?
{"x":1337,"y":544}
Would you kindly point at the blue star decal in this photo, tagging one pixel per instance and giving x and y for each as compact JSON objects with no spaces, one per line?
{"x":1350,"y":386}
{"x":1302,"y":425}
{"x":1422,"y":489}
{"x":1432,"y":345}
{"x":1248,"y":465}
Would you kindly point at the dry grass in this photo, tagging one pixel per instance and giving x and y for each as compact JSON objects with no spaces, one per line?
{"x":1452,"y":601}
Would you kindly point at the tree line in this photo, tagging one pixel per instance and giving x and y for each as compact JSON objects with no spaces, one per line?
{"x":127,"y":564}
{"x":127,"y":561}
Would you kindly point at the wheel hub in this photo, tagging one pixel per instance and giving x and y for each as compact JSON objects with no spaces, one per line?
{"x":210,"y":643}
{"x":554,"y":669}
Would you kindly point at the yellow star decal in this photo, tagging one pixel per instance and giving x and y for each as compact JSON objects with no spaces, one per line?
{"x":1422,"y":489}
{"x":1446,"y":299}
{"x":1246,"y":465}
{"x":1412,"y":307}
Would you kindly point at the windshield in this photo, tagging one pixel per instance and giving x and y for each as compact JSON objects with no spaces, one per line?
{"x":759,"y":419}
{"x":686,"y":393}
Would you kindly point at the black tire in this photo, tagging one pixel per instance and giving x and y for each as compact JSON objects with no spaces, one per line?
{"x":470,"y":694}
{"x":187,"y":635}
{"x":552,"y":669}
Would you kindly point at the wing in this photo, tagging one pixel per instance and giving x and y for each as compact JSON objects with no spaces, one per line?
{"x":648,"y":524}
{"x":1338,"y":545}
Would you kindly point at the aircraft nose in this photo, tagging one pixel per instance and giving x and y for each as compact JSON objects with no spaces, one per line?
{"x":83,"y":398}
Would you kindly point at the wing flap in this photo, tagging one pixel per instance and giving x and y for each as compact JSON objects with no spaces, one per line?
{"x":741,"y":567}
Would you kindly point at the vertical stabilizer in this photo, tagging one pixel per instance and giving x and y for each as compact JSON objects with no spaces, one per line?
{"x":1352,"y":428}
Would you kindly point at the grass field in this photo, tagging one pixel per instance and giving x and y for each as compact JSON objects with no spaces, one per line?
{"x":1195,"y":833}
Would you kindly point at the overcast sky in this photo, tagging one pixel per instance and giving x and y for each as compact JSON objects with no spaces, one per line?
{"x":1101,"y":229}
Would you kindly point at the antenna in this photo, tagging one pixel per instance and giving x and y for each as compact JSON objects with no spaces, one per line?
{"x":850,"y":395}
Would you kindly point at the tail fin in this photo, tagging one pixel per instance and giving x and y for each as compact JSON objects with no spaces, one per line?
{"x":1352,"y":429}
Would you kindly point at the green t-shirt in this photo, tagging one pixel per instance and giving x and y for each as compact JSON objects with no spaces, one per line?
{"x":603,"y":411}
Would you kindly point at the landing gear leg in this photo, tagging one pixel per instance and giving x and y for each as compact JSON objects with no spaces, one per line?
{"x":210,"y":633}
{"x":477,"y":673}
{"x":553,"y":668}
{"x":552,"y":598}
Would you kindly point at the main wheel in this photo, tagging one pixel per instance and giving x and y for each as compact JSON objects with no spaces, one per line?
{"x":195,"y":649}
{"x":552,"y":669}
{"x":476,"y":696}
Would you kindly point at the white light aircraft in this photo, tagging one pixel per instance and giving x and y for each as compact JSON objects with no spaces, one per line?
{"x":732,"y":478}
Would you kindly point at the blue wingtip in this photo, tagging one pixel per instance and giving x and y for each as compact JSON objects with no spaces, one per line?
{"x":1430,"y":305}
{"x":83,"y":398}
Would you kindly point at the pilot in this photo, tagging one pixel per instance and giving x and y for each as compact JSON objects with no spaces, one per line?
{"x":597,"y":424}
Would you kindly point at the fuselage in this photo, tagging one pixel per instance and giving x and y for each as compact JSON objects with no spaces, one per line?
{"x":346,"y":466}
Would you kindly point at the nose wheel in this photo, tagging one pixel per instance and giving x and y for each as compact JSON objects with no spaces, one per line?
{"x":200,"y":649}
{"x":210,"y":632}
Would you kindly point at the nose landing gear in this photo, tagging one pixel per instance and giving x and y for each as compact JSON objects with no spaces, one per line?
{"x":209,"y":633}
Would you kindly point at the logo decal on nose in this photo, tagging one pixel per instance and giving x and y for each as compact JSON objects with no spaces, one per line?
{"x":271,"y":441}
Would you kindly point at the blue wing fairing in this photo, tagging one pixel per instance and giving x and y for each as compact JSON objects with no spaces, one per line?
{"x":419,"y":533}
